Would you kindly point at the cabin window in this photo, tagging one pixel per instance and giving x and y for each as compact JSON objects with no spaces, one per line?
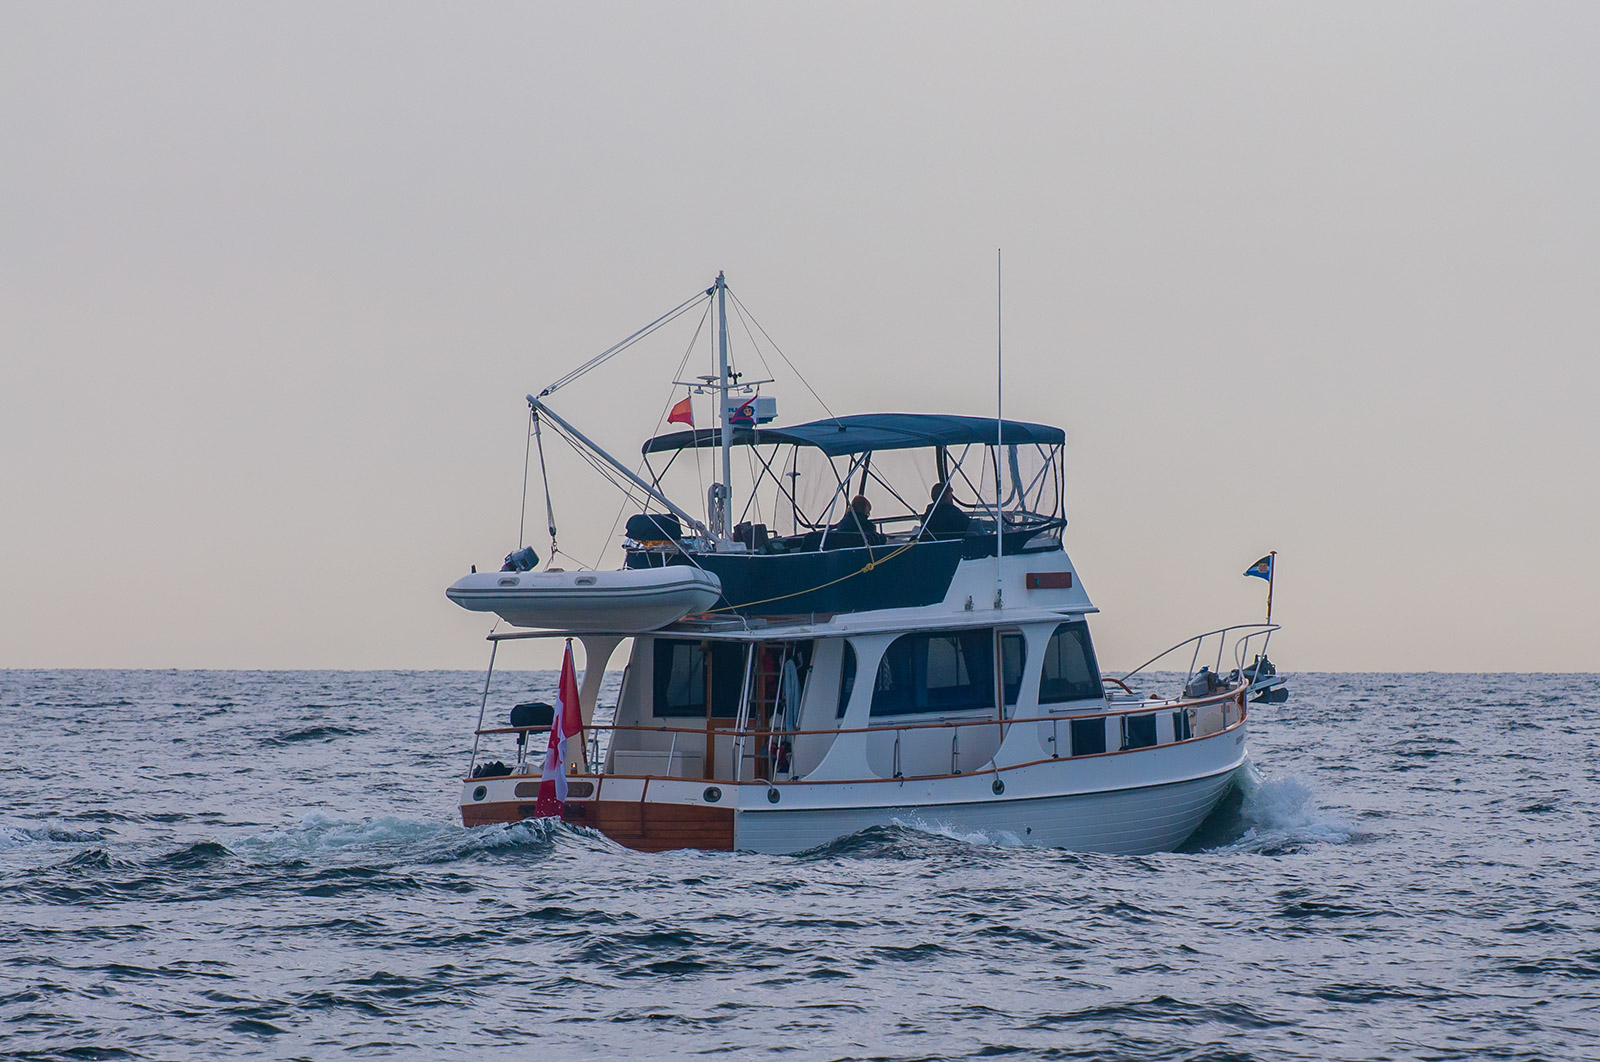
{"x":944,"y":671}
{"x":1181,"y":730}
{"x":847,"y":678}
{"x":680,"y":678}
{"x":680,"y":671}
{"x":1088,"y":736}
{"x":1138,"y":731}
{"x":1013,"y":654}
{"x":1069,"y":671}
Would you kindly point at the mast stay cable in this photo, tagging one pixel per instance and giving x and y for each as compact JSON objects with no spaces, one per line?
{"x":522,"y":517}
{"x":660,"y":420}
{"x":544,"y":474}
{"x":607,"y":473}
{"x":593,"y":363}
{"x":743,"y":309}
{"x":611,"y":352}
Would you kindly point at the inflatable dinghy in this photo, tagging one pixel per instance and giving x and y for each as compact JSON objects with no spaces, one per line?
{"x":631,"y":601}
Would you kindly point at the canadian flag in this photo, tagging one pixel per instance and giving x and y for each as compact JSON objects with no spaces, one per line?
{"x":567,"y":723}
{"x":682,"y":413}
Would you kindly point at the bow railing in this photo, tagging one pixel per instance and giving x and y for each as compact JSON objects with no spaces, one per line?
{"x":1241,"y":647}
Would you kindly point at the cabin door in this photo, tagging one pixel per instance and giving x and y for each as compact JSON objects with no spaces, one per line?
{"x":782,"y":670}
{"x":725,"y":668}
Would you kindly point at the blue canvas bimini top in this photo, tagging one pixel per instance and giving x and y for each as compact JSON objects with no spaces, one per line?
{"x":870,"y":431}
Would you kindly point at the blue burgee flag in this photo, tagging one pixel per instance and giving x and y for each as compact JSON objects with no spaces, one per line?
{"x":1261,"y":569}
{"x":743,"y":415}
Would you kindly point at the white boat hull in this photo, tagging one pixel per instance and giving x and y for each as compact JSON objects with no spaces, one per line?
{"x":631,"y":601}
{"x":1155,"y":818}
{"x":1126,"y":803}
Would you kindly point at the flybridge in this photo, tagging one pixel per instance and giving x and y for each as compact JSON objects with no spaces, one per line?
{"x":829,"y":484}
{"x":859,"y":433}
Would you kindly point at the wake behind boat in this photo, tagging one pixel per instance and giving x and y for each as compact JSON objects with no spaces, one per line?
{"x":886,"y":629}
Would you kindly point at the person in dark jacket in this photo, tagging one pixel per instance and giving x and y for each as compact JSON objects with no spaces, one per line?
{"x":943,"y":518}
{"x":857,"y":521}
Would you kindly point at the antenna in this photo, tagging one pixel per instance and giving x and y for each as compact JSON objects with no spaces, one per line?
{"x":999,"y":430}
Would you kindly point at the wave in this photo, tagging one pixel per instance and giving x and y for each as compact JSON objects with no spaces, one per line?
{"x":319,"y":836}
{"x":24,"y":836}
{"x":989,"y":838}
{"x":313,"y":733}
{"x":906,"y":838}
{"x":1272,"y":817}
{"x":196,"y":856}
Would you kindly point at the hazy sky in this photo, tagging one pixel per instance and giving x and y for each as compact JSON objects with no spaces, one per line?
{"x":1320,"y":279}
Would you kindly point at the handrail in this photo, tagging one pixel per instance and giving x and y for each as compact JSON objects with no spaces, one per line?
{"x":1230,"y":722}
{"x":1018,"y":521}
{"x":1257,"y":628}
{"x":1143,"y":706}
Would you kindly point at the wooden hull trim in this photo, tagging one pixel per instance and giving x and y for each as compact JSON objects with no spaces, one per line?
{"x":646,"y":826}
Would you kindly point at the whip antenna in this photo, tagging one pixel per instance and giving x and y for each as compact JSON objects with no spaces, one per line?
{"x":999,"y":432}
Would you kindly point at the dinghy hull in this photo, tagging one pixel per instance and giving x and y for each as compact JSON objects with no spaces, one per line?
{"x":617,"y":602}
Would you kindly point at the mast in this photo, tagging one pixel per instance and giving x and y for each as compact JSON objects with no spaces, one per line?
{"x":725,"y":518}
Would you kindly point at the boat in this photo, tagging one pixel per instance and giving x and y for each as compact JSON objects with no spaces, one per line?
{"x":812,"y":667}
{"x":631,"y":601}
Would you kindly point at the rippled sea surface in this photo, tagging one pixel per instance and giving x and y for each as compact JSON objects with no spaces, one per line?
{"x":204,"y":864}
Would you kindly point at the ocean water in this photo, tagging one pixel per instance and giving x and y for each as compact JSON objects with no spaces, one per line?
{"x":269,"y":864}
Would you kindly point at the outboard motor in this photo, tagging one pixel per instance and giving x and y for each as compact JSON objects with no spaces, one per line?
{"x":521,"y":560}
{"x":533,"y":714}
{"x":1202,"y":683}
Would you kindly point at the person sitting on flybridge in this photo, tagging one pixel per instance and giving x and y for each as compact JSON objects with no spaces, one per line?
{"x":943,"y":518}
{"x":856,"y":521}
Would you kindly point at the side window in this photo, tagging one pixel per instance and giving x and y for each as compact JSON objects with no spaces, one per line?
{"x":1013,"y":654}
{"x":894,"y":691}
{"x":847,"y":678}
{"x":1069,"y":671}
{"x":1088,"y":736}
{"x":947,"y":666}
{"x":680,"y":679}
{"x":1138,"y":731}
{"x":942,"y":671}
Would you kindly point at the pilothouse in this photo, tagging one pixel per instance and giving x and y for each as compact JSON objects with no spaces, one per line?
{"x":875,"y":622}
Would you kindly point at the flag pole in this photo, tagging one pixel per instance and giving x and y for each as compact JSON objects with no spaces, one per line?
{"x":583,"y":748}
{"x":1272,"y":571}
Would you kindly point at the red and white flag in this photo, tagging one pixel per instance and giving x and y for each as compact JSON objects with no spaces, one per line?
{"x":568,"y":723}
{"x":682,"y":413}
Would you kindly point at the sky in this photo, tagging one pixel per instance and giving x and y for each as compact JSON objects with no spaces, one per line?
{"x":274,"y":280}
